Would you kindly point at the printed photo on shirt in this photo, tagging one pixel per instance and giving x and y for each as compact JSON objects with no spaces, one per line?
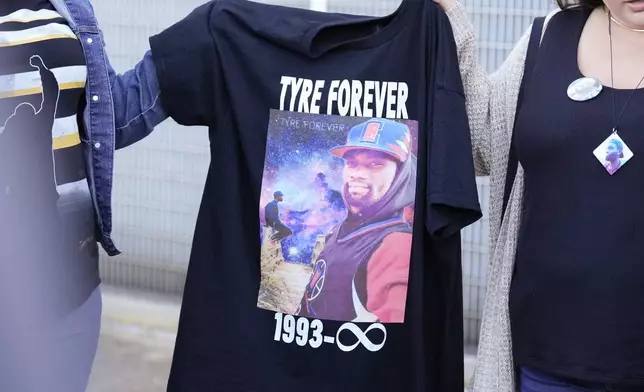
{"x":613,"y":153}
{"x":336,"y":213}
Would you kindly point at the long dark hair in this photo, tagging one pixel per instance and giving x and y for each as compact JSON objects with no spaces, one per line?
{"x":563,"y":4}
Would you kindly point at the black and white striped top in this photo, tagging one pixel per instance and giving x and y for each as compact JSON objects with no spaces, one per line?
{"x":44,"y":33}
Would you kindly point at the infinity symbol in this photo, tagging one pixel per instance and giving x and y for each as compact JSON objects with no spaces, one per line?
{"x":362,"y":337}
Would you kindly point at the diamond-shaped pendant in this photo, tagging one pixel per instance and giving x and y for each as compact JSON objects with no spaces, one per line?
{"x":613,"y":153}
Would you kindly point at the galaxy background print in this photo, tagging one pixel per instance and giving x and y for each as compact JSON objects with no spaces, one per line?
{"x":298,"y":165}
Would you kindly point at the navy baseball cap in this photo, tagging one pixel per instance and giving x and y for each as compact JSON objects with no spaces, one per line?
{"x":278,"y":194}
{"x":390,"y":137}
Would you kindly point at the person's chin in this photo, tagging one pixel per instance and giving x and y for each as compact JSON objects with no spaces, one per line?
{"x":356,"y":204}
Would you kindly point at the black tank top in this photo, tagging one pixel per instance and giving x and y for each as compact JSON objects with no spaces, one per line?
{"x":577,"y":295}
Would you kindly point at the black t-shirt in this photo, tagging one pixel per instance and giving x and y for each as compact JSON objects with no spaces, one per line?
{"x":48,"y":252}
{"x":356,"y":126}
{"x":577,"y":290}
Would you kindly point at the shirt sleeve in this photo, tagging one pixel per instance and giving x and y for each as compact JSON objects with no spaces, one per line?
{"x":186,"y":61}
{"x":452,"y":197}
{"x":388,"y":278}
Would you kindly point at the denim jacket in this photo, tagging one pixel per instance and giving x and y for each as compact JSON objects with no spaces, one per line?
{"x":120,"y":110}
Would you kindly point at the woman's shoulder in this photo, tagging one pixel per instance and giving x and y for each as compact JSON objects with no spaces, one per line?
{"x":552,"y":13}
{"x":463,"y":28}
{"x":565,"y":20}
{"x":564,"y":16}
{"x":557,"y":12}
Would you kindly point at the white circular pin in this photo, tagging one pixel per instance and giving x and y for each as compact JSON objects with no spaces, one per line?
{"x":584,"y":89}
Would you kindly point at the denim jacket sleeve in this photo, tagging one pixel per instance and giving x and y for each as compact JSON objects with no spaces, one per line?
{"x":137,"y":106}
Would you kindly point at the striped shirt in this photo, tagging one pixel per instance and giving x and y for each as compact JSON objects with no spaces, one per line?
{"x":42,"y":169}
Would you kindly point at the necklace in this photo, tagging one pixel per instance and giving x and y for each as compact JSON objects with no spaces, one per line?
{"x":617,"y":22}
{"x":613,"y":153}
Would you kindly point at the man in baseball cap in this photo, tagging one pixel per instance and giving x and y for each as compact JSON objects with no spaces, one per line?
{"x":374,"y":154}
{"x":362,"y":273}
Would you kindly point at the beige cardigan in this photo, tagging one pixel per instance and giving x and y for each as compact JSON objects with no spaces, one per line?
{"x":491,"y":105}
